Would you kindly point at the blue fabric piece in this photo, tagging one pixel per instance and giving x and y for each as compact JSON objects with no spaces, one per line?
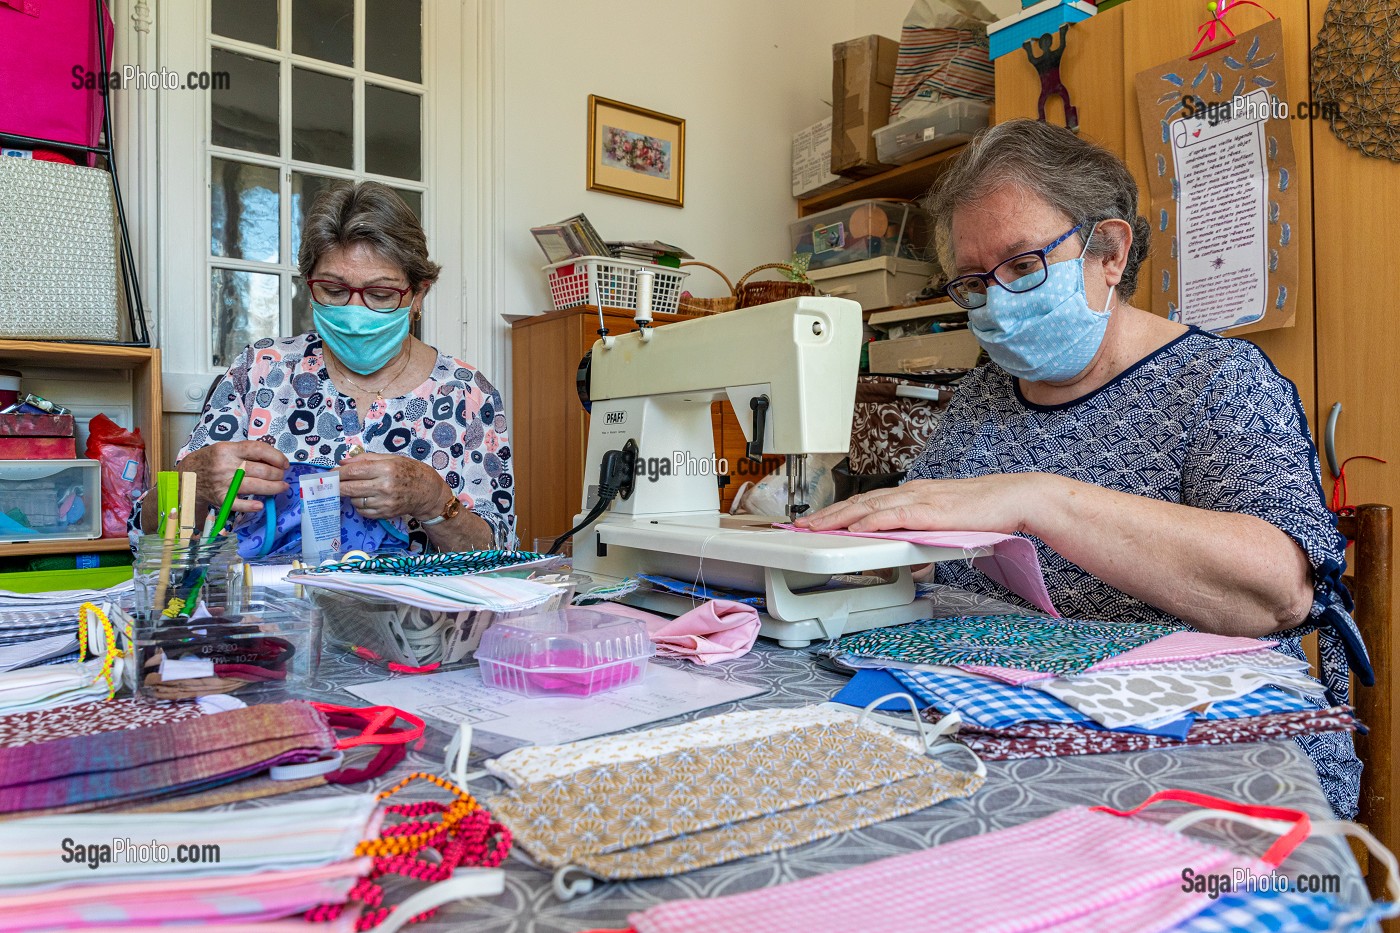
{"x":1261,"y":701}
{"x":993,"y":704}
{"x":1277,"y":912}
{"x":871,"y":684}
{"x":682,"y":588}
{"x":1204,"y":421}
{"x":357,"y":533}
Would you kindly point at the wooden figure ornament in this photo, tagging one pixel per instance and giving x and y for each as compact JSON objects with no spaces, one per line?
{"x":1047,"y":65}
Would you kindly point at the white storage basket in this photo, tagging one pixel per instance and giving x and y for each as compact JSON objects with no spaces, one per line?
{"x":604,"y":282}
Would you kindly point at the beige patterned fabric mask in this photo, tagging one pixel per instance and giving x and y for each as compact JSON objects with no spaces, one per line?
{"x":694,"y":808}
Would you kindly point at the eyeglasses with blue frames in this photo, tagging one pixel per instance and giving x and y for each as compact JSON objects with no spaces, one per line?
{"x":1021,"y":273}
{"x":381,"y":298}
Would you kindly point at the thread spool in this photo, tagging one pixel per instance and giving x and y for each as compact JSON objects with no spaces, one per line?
{"x":271,"y":577}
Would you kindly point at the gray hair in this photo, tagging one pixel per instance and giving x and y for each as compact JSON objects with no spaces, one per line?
{"x":370,"y":213}
{"x":1080,"y":179}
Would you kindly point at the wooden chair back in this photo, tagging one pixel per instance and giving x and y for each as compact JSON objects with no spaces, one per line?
{"x":1370,"y":582}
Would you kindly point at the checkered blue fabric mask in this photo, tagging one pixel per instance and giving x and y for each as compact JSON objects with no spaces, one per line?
{"x":1048,"y":334}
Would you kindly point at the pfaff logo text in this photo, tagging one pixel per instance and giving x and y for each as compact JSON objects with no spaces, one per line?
{"x":615,"y":417}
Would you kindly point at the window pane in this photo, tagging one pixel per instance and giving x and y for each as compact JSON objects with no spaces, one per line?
{"x":324,"y":29}
{"x":305,"y":189}
{"x":394,"y":38}
{"x":248,"y":20}
{"x":244,"y":115}
{"x":322,"y":118}
{"x":245,"y":308}
{"x":244,"y":210}
{"x":393,"y":133}
{"x":414,"y":199}
{"x":301,"y":307}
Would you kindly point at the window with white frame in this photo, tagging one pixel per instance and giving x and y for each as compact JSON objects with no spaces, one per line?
{"x":316,"y":91}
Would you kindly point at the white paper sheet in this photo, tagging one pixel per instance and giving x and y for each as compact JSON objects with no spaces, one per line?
{"x":460,"y":696}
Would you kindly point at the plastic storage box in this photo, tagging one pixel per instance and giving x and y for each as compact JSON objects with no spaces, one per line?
{"x":861,"y":230}
{"x":50,"y":500}
{"x":572,"y":652}
{"x":604,"y":282}
{"x":875,"y":283}
{"x":952,"y":123}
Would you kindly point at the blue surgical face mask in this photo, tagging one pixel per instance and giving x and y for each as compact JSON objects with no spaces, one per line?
{"x":364,"y":340}
{"x":1048,"y":334}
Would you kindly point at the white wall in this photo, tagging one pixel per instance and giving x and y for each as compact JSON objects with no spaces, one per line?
{"x":744,"y":74}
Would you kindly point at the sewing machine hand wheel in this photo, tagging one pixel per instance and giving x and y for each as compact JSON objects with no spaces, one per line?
{"x":759,"y":407}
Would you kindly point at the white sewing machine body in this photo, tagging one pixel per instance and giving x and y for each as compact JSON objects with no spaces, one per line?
{"x":653,"y":389}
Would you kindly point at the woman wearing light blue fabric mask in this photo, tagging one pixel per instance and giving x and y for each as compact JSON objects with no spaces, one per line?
{"x":419,"y":437}
{"x":1165,"y":474}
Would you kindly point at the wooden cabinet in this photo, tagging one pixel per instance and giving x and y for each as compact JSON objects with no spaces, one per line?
{"x":549,"y":428}
{"x":142,"y":367}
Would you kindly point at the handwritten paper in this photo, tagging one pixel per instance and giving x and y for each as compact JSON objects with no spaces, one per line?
{"x":513,"y":721}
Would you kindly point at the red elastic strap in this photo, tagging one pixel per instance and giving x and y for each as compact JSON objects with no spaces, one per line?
{"x":387,"y":757}
{"x":371,"y":721}
{"x":398,"y":668}
{"x":1280,"y":850}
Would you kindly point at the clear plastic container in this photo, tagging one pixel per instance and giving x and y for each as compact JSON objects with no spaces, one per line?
{"x":951,"y":123}
{"x":50,"y":500}
{"x":860,"y":230}
{"x":570,"y":652}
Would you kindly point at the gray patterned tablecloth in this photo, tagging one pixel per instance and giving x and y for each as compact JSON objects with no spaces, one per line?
{"x":1016,"y":791}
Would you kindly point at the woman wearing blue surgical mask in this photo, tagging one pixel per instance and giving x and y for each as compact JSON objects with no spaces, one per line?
{"x":418,"y":437}
{"x":1165,"y":474}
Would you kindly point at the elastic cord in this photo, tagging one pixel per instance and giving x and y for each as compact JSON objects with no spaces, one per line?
{"x":1280,"y":850}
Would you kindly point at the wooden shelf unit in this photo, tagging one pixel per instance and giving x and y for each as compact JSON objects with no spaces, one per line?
{"x":905,"y":181}
{"x":144,"y":365}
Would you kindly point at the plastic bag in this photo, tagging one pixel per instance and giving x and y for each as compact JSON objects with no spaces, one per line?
{"x":123,"y":456}
{"x":769,"y":495}
{"x":943,"y":54}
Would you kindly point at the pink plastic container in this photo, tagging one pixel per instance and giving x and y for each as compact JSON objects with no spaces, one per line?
{"x":568,"y":652}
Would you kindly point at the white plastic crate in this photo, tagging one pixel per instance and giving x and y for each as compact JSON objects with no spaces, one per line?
{"x":605,"y":282}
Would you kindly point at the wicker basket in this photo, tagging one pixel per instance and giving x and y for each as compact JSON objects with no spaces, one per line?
{"x":699,"y":307}
{"x":761,"y":293}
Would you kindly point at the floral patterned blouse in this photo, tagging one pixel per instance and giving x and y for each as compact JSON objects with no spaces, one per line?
{"x":279,"y":392}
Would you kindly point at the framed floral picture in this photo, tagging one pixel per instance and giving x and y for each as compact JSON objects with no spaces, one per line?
{"x":635,"y":152}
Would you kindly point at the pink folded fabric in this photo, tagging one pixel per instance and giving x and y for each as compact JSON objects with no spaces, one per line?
{"x":1013,"y":562}
{"x":719,"y":630}
{"x":1178,"y":646}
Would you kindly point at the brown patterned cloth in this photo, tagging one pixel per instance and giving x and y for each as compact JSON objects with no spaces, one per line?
{"x":63,"y":722}
{"x":698,"y":807}
{"x":887,"y":434}
{"x":1049,"y":740}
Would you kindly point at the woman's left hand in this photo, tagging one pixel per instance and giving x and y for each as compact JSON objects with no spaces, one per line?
{"x":1001,"y":502}
{"x":392,"y":486}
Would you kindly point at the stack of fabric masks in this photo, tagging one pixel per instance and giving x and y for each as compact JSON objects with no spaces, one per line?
{"x":670,"y":800}
{"x":319,"y":861}
{"x":58,"y":656}
{"x":1028,"y":686}
{"x":1079,"y":869}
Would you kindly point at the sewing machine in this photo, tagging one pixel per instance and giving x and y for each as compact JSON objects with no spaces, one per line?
{"x":789,"y":371}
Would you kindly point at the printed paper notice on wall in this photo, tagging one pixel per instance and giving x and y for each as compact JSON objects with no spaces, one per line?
{"x":1221,"y":176}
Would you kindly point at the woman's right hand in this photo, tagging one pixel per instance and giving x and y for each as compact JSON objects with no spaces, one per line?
{"x":263,"y":472}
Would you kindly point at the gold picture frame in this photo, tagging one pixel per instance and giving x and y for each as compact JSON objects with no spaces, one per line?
{"x":635,"y":153}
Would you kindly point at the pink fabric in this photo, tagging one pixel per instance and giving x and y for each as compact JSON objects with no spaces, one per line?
{"x":1013,"y":562}
{"x":1075,"y":870}
{"x":242,"y":898}
{"x":1178,"y":646}
{"x":719,"y":630}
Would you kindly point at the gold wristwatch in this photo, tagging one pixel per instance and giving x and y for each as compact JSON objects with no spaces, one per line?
{"x":451,"y":509}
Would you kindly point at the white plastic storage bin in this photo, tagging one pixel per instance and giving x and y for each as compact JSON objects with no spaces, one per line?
{"x":50,"y":500}
{"x":953,"y":123}
{"x":875,"y":283}
{"x":604,"y":282}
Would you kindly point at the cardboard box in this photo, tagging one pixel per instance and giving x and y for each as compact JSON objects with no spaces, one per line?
{"x":862,"y":81}
{"x":811,"y":161}
{"x":909,"y":348}
{"x":874,"y":283}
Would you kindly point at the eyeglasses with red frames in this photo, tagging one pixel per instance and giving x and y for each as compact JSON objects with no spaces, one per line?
{"x":1020,"y":273}
{"x":381,"y":298}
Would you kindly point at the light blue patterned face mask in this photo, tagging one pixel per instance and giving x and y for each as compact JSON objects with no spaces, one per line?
{"x":1048,"y":334}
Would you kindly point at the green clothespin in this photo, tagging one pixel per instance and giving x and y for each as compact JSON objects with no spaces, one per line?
{"x":167,"y":495}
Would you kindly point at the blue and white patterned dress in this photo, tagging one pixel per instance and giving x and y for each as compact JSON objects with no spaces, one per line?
{"x":1205,"y":421}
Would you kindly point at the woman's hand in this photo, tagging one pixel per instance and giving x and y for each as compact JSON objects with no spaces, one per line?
{"x":392,"y":486}
{"x":1002,"y":502}
{"x":264,"y":472}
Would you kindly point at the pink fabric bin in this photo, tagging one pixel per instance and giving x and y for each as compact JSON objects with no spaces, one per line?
{"x":45,"y":47}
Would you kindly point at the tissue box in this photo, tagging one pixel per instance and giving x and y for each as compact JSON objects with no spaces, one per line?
{"x":862,"y":82}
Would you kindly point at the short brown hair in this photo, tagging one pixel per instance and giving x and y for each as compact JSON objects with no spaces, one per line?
{"x":371,"y":213}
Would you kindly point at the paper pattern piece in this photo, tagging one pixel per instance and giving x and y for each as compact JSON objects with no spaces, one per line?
{"x":460,"y":696}
{"x":1222,"y":176}
{"x":1012,"y":563}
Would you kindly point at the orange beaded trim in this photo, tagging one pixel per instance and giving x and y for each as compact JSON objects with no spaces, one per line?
{"x":410,"y":842}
